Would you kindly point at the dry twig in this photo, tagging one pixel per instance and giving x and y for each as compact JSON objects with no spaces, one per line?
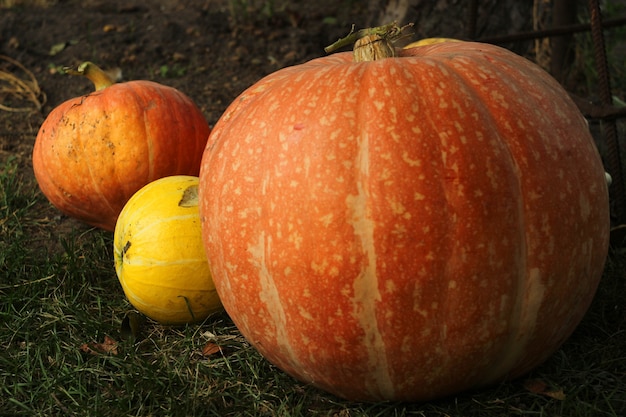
{"x":22,"y":90}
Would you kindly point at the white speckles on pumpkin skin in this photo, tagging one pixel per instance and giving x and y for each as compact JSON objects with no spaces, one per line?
{"x":411,"y":162}
{"x":480,"y":173}
{"x":528,"y":150}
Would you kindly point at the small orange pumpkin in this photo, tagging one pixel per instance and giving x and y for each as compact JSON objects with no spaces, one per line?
{"x":92,"y":153}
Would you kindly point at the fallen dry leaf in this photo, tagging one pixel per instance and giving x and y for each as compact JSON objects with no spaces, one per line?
{"x":24,"y":91}
{"x":210,"y":349}
{"x":109,"y":346}
{"x":537,"y":386}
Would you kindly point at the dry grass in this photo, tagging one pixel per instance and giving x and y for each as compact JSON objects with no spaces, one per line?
{"x":21,"y":93}
{"x":27,"y":3}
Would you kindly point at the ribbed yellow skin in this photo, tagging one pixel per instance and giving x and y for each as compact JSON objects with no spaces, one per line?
{"x":429,"y":41}
{"x":159,"y":255}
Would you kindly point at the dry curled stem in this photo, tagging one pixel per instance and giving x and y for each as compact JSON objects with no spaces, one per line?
{"x":19,"y":89}
{"x":390,"y":32}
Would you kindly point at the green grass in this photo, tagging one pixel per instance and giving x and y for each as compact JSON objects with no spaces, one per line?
{"x":59,"y":293}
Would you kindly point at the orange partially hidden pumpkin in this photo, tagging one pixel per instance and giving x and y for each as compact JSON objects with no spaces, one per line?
{"x":408,"y":227}
{"x":92,"y":153}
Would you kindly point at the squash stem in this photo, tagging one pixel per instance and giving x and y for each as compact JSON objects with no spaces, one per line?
{"x":372,"y":48}
{"x":95,"y":74}
{"x":385,"y":34}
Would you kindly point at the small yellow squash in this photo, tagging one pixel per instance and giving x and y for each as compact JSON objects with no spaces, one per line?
{"x":159,"y":254}
{"x":429,"y":41}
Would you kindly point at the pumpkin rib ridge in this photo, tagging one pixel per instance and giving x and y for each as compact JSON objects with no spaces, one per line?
{"x":258,"y":248}
{"x":163,"y":285}
{"x":270,"y":296}
{"x":129,"y":187}
{"x":451,"y":232}
{"x":451,"y":179}
{"x":78,"y":142}
{"x":170,"y":122}
{"x":182,"y":118}
{"x":426,"y":99}
{"x":532,"y":287}
{"x":113,"y":106}
{"x":431,"y":132}
{"x":146,"y":129}
{"x":510,"y":352}
{"x":147,"y":262}
{"x":364,"y":230}
{"x":108,"y":110}
{"x":155,"y":221}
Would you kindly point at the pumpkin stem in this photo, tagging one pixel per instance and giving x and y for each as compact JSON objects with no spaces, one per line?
{"x":372,"y":47}
{"x":379,"y":40}
{"x":96,"y":75}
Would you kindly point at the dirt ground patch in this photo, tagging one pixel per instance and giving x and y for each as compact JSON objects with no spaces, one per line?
{"x":207,"y":50}
{"x":193,"y":46}
{"x":210,"y":50}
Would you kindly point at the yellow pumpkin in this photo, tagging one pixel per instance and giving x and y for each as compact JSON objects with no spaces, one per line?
{"x":159,"y":255}
{"x":429,"y":41}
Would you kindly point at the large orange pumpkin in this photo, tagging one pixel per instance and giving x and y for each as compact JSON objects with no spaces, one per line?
{"x":409,"y":227}
{"x":92,"y":153}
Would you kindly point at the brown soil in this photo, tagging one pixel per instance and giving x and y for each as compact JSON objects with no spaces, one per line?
{"x":203,"y":48}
